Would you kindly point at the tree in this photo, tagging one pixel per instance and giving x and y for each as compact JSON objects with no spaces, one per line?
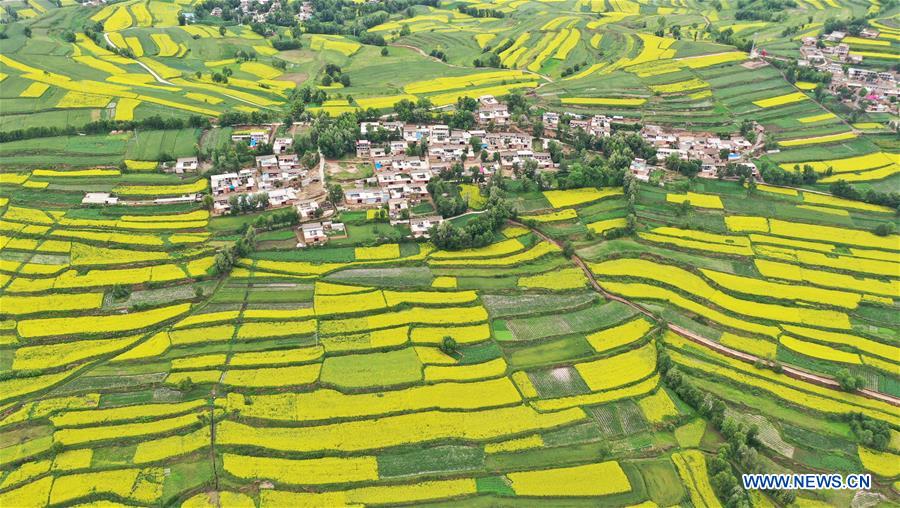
{"x":448,"y":345}
{"x":222,"y":31}
{"x":335,"y":194}
{"x":121,"y":292}
{"x":848,"y":381}
{"x":884,"y":229}
{"x":404,"y":31}
{"x":384,"y":51}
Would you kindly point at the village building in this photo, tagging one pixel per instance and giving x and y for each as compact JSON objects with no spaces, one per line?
{"x":490,"y":110}
{"x":184,"y":164}
{"x":99,"y":198}
{"x":421,"y":226}
{"x":252,"y":136}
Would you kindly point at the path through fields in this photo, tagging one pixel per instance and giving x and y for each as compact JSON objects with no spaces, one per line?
{"x":711,"y":344}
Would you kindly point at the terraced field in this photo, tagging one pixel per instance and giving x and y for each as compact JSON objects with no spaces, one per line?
{"x":478,"y":375}
{"x":624,"y":344}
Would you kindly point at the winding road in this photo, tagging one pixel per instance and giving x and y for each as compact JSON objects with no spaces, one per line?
{"x":711,"y":344}
{"x":156,"y":76}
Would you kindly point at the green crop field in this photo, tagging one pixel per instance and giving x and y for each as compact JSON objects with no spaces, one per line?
{"x":570,"y":335}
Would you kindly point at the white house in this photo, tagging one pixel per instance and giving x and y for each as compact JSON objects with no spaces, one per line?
{"x":366,"y":196}
{"x":421,"y":225}
{"x":186,"y":164}
{"x":99,"y":198}
{"x":307,"y":208}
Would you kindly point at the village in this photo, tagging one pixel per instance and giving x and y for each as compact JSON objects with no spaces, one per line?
{"x":407,"y":156}
{"x":833,"y":55}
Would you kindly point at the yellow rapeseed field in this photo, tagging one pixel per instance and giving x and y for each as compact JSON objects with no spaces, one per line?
{"x":489,"y":369}
{"x":611,"y":338}
{"x":513,"y":445}
{"x":819,"y":351}
{"x":560,"y":215}
{"x":785,"y":271}
{"x":559,"y":280}
{"x":18,"y":305}
{"x":539,"y":250}
{"x":830,"y":138}
{"x":799,"y":392}
{"x":260,"y":70}
{"x":884,"y":464}
{"x":575,"y":197}
{"x":568,"y":45}
{"x":82,"y":435}
{"x":120,"y":20}
{"x":276,"y":329}
{"x":858,"y":163}
{"x":700,"y":62}
{"x":385,"y":251}
{"x":380,"y":494}
{"x":34,"y":328}
{"x":601,"y":226}
{"x":334,"y":43}
{"x":173,"y":446}
{"x":118,"y":482}
{"x":278,"y":357}
{"x":756,"y":347}
{"x":823,"y":199}
{"x":383,"y":102}
{"x":302,"y":472}
{"x":638,"y":290}
{"x":823,"y":233}
{"x":423,"y":427}
{"x":618,"y":370}
{"x":461,"y":334}
{"x":695,"y":285}
{"x":394,"y":298}
{"x":599,"y":479}
{"x":467,"y":81}
{"x":781,"y":100}
{"x":691,"y":466}
{"x":758,"y":287}
{"x":47,"y":356}
{"x":74,"y":99}
{"x":741,"y":223}
{"x":817,"y":118}
{"x":501,"y":248}
{"x":324,"y":404}
{"x":34,"y":90}
{"x":167,"y":46}
{"x":444,"y":282}
{"x":348,"y":304}
{"x":658,"y":406}
{"x":696,"y":199}
{"x":125,"y":108}
{"x":274,"y":376}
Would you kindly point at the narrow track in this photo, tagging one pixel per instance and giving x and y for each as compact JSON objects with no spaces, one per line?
{"x":788,"y":370}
